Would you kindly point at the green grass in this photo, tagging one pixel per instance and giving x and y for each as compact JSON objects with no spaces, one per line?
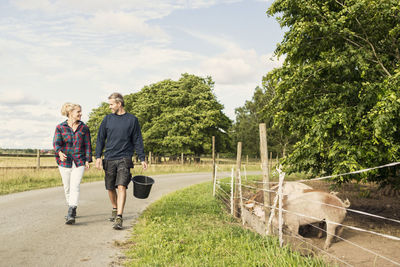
{"x":12,"y":181}
{"x":191,"y":228}
{"x":19,"y":180}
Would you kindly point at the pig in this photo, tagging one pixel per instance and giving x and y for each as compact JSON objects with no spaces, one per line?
{"x":313,"y":206}
{"x":292,"y":189}
{"x":289,"y":189}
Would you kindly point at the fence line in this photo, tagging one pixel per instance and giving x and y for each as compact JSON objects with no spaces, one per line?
{"x":273,"y":208}
{"x":29,"y":168}
{"x":338,"y":175}
{"x":343,"y":174}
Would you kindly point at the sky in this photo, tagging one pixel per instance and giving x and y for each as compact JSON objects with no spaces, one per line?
{"x":57,"y":51}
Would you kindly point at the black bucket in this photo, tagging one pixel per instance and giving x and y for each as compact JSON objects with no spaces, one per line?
{"x":141,"y":186}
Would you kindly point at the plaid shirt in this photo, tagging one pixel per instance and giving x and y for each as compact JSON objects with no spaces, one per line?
{"x":76,"y":145}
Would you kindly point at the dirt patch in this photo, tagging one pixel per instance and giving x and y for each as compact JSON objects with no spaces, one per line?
{"x":358,"y":248}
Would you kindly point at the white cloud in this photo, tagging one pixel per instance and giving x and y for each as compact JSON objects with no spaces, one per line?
{"x":120,"y":22}
{"x":16,"y":98}
{"x":27,"y":121}
{"x":234,"y":65}
{"x":82,"y":51}
{"x":150,"y":9}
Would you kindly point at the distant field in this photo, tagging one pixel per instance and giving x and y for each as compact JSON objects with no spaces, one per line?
{"x":18,"y":180}
{"x":26,"y":161}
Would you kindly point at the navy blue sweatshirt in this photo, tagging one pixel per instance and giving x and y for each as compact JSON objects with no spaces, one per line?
{"x":120,"y":135}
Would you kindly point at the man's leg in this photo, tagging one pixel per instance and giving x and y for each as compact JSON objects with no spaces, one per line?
{"x":121,"y":199}
{"x":122,"y":182}
{"x":112,"y":194}
{"x":110,"y":168}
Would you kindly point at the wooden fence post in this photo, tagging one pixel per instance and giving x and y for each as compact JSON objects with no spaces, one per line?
{"x":280,"y":196}
{"x":264,"y":166}
{"x":270,"y":164}
{"x":38,"y":159}
{"x":182,"y":159}
{"x":241,"y":197}
{"x":213,"y":163}
{"x":232,"y":193}
{"x":237,"y":184}
{"x":150,"y":158}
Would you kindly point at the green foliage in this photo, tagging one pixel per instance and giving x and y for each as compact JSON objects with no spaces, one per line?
{"x":245,"y":129}
{"x":95,"y":118}
{"x":190,"y":228}
{"x":254,"y":112}
{"x":338,"y":89}
{"x":176,"y":116}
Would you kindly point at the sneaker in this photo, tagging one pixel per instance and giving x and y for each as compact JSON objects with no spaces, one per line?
{"x":118,"y":223}
{"x":70,"y":218}
{"x":73,"y":215}
{"x":113,"y":215}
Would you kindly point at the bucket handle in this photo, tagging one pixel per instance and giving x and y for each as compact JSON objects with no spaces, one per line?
{"x":141,"y":173}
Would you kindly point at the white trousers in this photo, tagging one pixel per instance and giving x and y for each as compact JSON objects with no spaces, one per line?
{"x":72,"y":178}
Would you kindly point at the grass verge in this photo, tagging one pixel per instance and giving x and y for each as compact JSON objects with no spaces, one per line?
{"x":191,"y":228}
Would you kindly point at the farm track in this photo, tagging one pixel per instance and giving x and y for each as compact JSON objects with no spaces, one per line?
{"x":33,"y":233}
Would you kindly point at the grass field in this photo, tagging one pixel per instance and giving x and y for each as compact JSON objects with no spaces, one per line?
{"x":191,"y":228}
{"x":18,"y":180}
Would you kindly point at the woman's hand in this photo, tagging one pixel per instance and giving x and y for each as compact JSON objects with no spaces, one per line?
{"x":63,"y":157}
{"x":87,"y":165}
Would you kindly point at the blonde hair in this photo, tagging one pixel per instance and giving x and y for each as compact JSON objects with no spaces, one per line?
{"x":118,"y":98}
{"x":68,"y":107}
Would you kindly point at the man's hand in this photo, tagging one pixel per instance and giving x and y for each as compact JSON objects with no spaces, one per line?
{"x":144,"y":165}
{"x":99,"y":164}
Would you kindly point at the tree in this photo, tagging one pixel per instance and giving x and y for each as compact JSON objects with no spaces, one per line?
{"x":248,"y":118}
{"x":245,"y":128}
{"x":337,"y":90}
{"x":176,"y":116}
{"x":95,"y":118}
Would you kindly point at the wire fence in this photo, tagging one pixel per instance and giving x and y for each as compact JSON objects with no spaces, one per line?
{"x":225,"y":192}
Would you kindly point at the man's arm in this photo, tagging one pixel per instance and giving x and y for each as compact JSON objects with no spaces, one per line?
{"x":101,"y":139}
{"x":137,"y":141}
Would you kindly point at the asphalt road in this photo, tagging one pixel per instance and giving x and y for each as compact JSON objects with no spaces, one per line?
{"x":33,"y":233}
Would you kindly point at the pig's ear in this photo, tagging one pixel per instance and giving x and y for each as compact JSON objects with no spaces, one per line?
{"x":346,"y":203}
{"x":249,"y":205}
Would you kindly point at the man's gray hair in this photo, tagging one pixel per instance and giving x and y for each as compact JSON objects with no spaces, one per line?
{"x":118,"y":98}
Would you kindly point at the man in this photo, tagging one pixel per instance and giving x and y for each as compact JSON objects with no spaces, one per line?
{"x":120,"y":134}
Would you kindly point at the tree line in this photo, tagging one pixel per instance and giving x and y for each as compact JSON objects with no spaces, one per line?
{"x":332,"y":107}
{"x":175,"y":116}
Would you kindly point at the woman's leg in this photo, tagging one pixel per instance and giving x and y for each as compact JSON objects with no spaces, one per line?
{"x":66,"y":177}
{"x":76,"y":178}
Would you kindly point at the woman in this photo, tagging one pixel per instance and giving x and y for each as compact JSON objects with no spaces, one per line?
{"x":73,"y":151}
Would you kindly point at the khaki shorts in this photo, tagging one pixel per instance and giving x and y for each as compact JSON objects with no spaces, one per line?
{"x":117,"y":172}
